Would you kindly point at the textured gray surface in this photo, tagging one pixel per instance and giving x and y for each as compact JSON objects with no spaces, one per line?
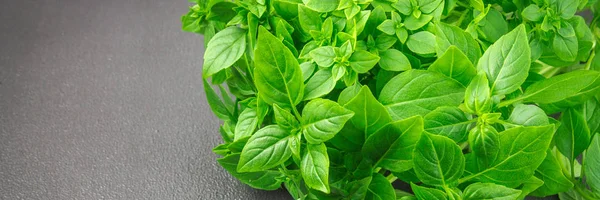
{"x":103,"y":100}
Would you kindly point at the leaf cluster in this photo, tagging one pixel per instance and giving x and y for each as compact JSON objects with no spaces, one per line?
{"x":456,"y":99}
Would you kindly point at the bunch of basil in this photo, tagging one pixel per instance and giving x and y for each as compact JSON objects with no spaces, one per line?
{"x":347,"y":99}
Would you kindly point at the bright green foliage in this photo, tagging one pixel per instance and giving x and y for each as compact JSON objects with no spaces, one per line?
{"x":315,"y":167}
{"x":489,"y":191}
{"x":506,"y":62}
{"x":455,"y":64}
{"x":438,"y":161}
{"x":418,"y":92}
{"x":592,"y":166}
{"x":392,"y":146}
{"x":458,"y":99}
{"x":322,"y":119}
{"x":428,"y":193}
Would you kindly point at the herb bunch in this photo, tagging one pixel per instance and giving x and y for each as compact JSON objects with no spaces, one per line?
{"x":347,"y":99}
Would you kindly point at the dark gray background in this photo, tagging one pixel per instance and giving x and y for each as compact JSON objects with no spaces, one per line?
{"x":102,"y":99}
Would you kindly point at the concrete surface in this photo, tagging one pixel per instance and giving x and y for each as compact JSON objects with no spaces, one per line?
{"x":103,"y":100}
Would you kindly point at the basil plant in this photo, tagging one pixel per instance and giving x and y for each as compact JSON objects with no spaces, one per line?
{"x":405,"y":99}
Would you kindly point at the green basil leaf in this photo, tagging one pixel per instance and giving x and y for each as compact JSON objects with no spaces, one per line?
{"x":338,"y":71}
{"x":393,"y":60}
{"x":417,"y":92}
{"x":477,"y":4}
{"x":533,"y":13}
{"x":573,"y":136}
{"x":455,"y":64}
{"x":369,"y":114}
{"x":528,"y":115}
{"x":358,"y":189}
{"x":308,"y":47}
{"x":567,"y":163}
{"x":403,"y":6}
{"x":293,"y":187}
{"x":421,"y":43}
{"x":322,"y":119}
{"x":412,"y":23}
{"x":348,"y":94}
{"x":585,"y":38}
{"x":216,"y":104}
{"x":573,"y":86}
{"x":262,"y":109}
{"x":346,"y":50}
{"x":323,"y":56}
{"x":358,"y":23}
{"x":192,"y":22}
{"x":592,"y":164}
{"x":490,"y":191}
{"x":362,"y":61}
{"x":424,"y":193}
{"x":536,"y":49}
{"x":429,"y":6}
{"x":454,"y":193}
{"x":385,"y":42}
{"x":239,"y":86}
{"x":295,"y":144}
{"x":492,"y":26}
{"x":565,"y":45}
{"x":327,"y":28}
{"x":222,"y":11}
{"x":284,"y":118}
{"x":572,"y":194}
{"x":351,"y":11}
{"x":264,"y":180}
{"x":388,"y":27}
{"x":567,"y":8}
{"x":377,"y":17}
{"x":266,"y":149}
{"x":385,"y":4}
{"x":522,"y":150}
{"x":284,"y":30}
{"x":592,"y":115}
{"x":319,"y":85}
{"x":506,"y":63}
{"x":402,"y":35}
{"x":448,"y":121}
{"x":224,"y":49}
{"x":380,"y":188}
{"x":227,"y":131}
{"x":307,"y":70}
{"x":478,"y":98}
{"x":315,"y":167}
{"x":448,"y":35}
{"x":349,"y":139}
{"x":277,"y":74}
{"x":438,"y":161}
{"x":246,"y":123}
{"x":221,"y":150}
{"x":529,"y":186}
{"x":310,"y":20}
{"x":402,"y":195}
{"x":391,"y":147}
{"x":253,"y":22}
{"x":551,"y":173}
{"x":322,"y":5}
{"x":407,"y":176}
{"x":383,"y":77}
{"x":485,"y":144}
{"x":287,"y":9}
